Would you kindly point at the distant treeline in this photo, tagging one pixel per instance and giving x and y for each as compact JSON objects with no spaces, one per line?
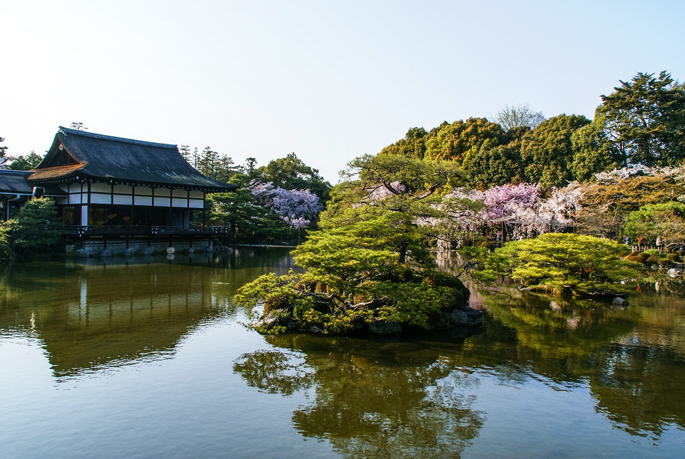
{"x":641,"y":123}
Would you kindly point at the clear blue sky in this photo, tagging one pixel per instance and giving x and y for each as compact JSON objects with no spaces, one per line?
{"x":328,"y":80}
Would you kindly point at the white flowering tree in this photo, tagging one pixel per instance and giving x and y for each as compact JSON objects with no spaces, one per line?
{"x":298,"y":208}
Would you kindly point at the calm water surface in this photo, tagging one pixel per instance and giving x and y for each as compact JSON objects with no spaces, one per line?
{"x":149,"y":359}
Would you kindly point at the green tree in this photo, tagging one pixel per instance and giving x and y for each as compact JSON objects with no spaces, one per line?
{"x":592,"y":151}
{"x":558,"y":262}
{"x":4,"y":244}
{"x":547,"y":151}
{"x":645,"y":120}
{"x":665,"y":219}
{"x":413,"y":145}
{"x":25,"y":163}
{"x":496,"y":166}
{"x":456,"y":141}
{"x":370,"y":262}
{"x":291,"y":173}
{"x":208,"y":162}
{"x":251,"y":167}
{"x":35,"y":231}
{"x":247,"y":221}
{"x":184,"y":150}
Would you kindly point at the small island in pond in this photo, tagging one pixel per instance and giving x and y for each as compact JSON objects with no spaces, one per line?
{"x":369,"y":269}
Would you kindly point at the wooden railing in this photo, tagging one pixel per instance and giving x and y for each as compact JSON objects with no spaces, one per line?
{"x":78,"y":230}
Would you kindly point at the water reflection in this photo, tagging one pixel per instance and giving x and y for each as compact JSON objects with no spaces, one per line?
{"x":372,"y":398}
{"x":601,"y":377}
{"x":631,"y":357}
{"x":418,"y":394}
{"x":101,"y":314}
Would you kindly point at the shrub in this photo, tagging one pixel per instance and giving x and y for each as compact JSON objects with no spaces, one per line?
{"x":555,"y":262}
{"x":664,"y":262}
{"x":35,"y":231}
{"x":635,"y":258}
{"x":4,"y":246}
{"x":673,"y":257}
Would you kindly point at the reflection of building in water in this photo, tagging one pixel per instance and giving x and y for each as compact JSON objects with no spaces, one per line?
{"x":108,"y":316}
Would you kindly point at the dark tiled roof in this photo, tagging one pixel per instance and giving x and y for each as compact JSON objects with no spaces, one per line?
{"x":16,"y":182}
{"x":111,"y":159}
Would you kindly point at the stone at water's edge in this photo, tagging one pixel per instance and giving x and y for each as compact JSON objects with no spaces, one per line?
{"x":270,"y":320}
{"x":382,"y":327}
{"x":620,"y":301}
{"x":467,"y":317}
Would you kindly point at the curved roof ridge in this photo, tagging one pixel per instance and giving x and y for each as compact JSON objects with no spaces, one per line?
{"x":68,"y":132}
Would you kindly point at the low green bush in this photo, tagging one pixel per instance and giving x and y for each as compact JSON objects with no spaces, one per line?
{"x":673,"y":257}
{"x":635,"y":258}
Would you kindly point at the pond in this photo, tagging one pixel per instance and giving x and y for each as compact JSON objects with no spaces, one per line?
{"x":148,"y":358}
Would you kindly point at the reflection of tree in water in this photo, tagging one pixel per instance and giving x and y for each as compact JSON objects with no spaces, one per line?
{"x":373,"y":398}
{"x":639,"y":388}
{"x":632,"y":358}
{"x":275,"y":372}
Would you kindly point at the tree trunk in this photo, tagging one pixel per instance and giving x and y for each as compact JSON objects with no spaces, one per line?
{"x":403,"y":254}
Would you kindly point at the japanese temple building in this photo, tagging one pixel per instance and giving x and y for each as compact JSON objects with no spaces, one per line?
{"x":112,"y":185}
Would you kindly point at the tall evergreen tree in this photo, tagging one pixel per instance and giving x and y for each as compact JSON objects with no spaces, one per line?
{"x":645,"y":120}
{"x":185,"y":152}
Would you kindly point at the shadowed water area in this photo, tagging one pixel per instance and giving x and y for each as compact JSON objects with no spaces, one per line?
{"x":149,"y":359}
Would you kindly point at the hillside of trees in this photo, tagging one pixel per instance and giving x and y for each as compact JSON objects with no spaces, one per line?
{"x":640,"y":123}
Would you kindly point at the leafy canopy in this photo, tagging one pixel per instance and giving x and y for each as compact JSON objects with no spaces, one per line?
{"x":369,"y":262}
{"x":291,"y":173}
{"x":25,"y":163}
{"x":547,"y":151}
{"x":645,"y":120}
{"x":665,"y":219}
{"x":557,"y":262}
{"x":35,"y":231}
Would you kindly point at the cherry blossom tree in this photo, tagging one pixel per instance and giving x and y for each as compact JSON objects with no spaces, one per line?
{"x":298,"y":208}
{"x":559,"y":211}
